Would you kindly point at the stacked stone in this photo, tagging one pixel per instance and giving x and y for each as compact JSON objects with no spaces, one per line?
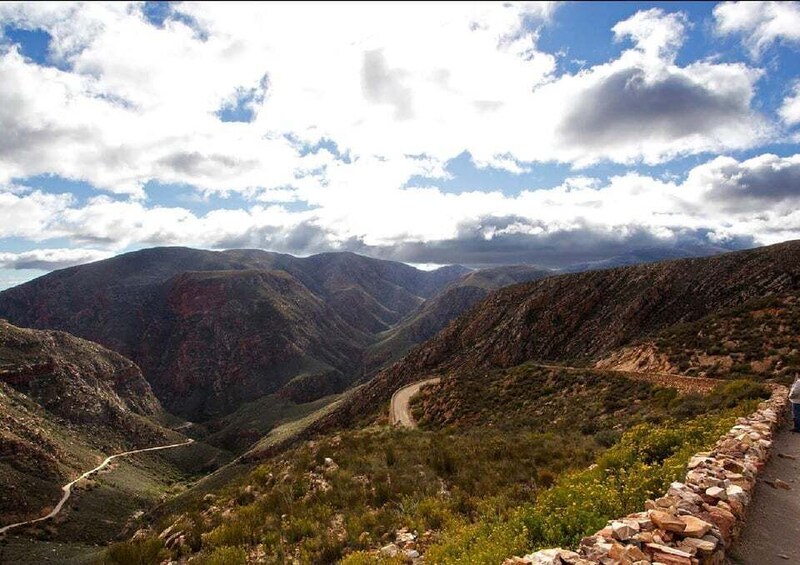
{"x":696,"y":520}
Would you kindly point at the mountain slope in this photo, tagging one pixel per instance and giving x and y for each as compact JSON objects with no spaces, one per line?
{"x":230,"y":336}
{"x":755,"y":339}
{"x":439,"y":310}
{"x":579,"y":318}
{"x":72,"y":378}
{"x":64,"y":404}
{"x":213,"y":329}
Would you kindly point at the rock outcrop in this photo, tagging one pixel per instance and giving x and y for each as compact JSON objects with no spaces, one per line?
{"x":696,"y":520}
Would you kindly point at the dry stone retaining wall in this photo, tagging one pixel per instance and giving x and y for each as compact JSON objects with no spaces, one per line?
{"x":696,"y":520}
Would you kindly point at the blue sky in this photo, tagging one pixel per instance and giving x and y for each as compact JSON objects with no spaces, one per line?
{"x":470,"y":133}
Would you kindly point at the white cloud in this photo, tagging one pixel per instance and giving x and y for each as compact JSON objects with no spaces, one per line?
{"x":29,"y":215}
{"x":656,"y":34}
{"x":136,"y":102}
{"x":400,"y":89}
{"x":49,"y":259}
{"x":759,"y":23}
{"x":754,"y":200}
{"x":790,"y":109}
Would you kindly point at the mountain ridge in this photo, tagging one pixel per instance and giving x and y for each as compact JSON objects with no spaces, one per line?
{"x":581,"y":317}
{"x":212,"y":330}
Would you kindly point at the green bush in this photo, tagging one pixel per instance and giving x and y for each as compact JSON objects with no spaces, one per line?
{"x":365,"y":558}
{"x":137,"y":552}
{"x":641,"y":465}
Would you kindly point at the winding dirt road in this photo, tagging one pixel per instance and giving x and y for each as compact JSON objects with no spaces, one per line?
{"x":680,"y":382}
{"x":399,"y":412}
{"x":67,"y":488}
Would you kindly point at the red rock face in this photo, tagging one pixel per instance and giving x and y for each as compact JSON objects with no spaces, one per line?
{"x":212,"y":330}
{"x":74,"y":379}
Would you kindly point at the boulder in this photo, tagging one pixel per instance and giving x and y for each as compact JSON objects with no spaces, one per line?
{"x":625,"y":529}
{"x":673,"y":555}
{"x":666,"y":521}
{"x":544,"y":557}
{"x":695,"y":527}
{"x":390,"y":550}
{"x":704,"y":545}
{"x":724,"y":520}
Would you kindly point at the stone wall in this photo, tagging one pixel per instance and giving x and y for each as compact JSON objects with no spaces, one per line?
{"x":697,"y":520}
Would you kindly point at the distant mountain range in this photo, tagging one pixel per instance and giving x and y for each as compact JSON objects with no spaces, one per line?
{"x":213,"y":330}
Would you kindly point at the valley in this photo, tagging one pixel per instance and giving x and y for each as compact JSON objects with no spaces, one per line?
{"x":326,"y":408}
{"x":67,"y":488}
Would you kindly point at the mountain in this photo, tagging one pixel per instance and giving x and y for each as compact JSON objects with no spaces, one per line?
{"x":550,"y":416}
{"x":755,"y":339}
{"x":646,"y":255}
{"x":212,"y":330}
{"x":435,"y":313}
{"x":582,"y":318}
{"x":65,"y":401}
{"x":72,"y":378}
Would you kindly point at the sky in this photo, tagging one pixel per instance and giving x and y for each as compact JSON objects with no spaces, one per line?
{"x":429,"y":133}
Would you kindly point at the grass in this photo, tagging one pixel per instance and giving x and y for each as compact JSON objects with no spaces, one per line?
{"x":542,"y":399}
{"x":640,"y":466}
{"x":254,"y":420}
{"x":484,"y":492}
{"x":28,"y":551}
{"x":98,"y":510}
{"x":383,"y":479}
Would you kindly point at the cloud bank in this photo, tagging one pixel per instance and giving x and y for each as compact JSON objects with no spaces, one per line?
{"x":331,"y":127}
{"x":723,"y":203}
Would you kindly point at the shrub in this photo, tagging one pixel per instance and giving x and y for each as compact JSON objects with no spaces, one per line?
{"x":640,"y":466}
{"x":137,"y":552}
{"x":224,"y":556}
{"x":366,"y":558}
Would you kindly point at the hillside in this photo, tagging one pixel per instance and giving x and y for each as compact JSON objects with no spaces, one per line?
{"x":66,"y":403}
{"x":534,"y":397}
{"x":756,"y":338}
{"x":227,"y":337}
{"x":435,"y":313}
{"x":580,"y":318}
{"x":213,"y":329}
{"x":452,"y":490}
{"x":74,"y":379}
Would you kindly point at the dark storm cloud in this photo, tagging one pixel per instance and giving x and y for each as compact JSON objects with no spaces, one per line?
{"x":470,"y":247}
{"x":755,"y":188}
{"x":626,"y":107}
{"x":562,"y":248}
{"x":383,"y":85}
